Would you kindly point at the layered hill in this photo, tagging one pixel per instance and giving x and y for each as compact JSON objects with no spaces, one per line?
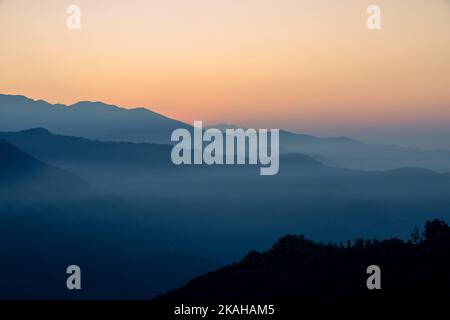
{"x":93,"y":120}
{"x":23,"y":176}
{"x":105,"y":122}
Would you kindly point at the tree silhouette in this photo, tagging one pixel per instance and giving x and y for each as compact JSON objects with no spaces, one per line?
{"x":298,"y":269}
{"x":436,"y":231}
{"x":416,"y":237}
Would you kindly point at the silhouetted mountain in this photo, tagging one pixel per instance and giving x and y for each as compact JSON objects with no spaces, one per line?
{"x":23,"y":176}
{"x":76,"y":152}
{"x":290,"y":137}
{"x":212,"y":202}
{"x":167,"y":223}
{"x":409,"y":176}
{"x":287,"y":135}
{"x":301,"y":270}
{"x":50,"y":219}
{"x":349,"y":153}
{"x":146,"y":169}
{"x":162,"y":224}
{"x":80,"y":154}
{"x":96,"y":120}
{"x":93,"y":120}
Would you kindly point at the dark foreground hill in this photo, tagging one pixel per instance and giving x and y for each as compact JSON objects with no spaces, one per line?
{"x":297,"y":269}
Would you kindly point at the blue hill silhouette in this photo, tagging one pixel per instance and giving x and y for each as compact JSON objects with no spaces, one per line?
{"x":60,"y":149}
{"x":151,"y":225}
{"x":94,"y":120}
{"x":353,"y":154}
{"x":80,"y":154}
{"x":105,"y":122}
{"x":23,"y":176}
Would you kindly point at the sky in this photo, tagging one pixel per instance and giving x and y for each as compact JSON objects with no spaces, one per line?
{"x":307,"y":66}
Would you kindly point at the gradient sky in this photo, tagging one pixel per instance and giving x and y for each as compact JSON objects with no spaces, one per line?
{"x":308,"y":66}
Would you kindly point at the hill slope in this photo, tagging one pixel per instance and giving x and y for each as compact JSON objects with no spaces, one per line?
{"x":22,"y":175}
{"x":77,"y":154}
{"x":63,"y":150}
{"x":297,"y":269}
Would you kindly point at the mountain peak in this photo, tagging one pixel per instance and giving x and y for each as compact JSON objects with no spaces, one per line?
{"x":36,"y":131}
{"x":14,"y":97}
{"x":94,"y":104}
{"x":89,"y":119}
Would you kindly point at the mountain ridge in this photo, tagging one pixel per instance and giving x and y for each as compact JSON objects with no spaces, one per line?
{"x":105,"y":122}
{"x":224,"y":126}
{"x":23,"y":175}
{"x":89,"y":119}
{"x":37,"y":141}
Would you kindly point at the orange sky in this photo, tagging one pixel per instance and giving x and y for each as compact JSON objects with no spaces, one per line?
{"x":302,"y":65}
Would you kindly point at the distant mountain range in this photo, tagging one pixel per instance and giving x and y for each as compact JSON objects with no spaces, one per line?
{"x":93,"y":120}
{"x":99,"y":121}
{"x":80,"y":154}
{"x":288,"y":135}
{"x":144,"y":168}
{"x":350,"y":153}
